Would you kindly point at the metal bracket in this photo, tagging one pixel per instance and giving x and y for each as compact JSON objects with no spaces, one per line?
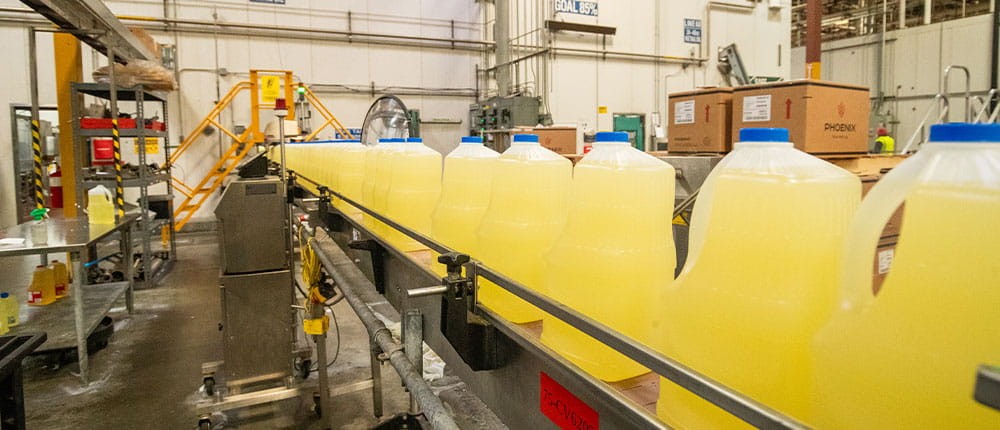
{"x":332,"y":218}
{"x":378,"y":260}
{"x":477,"y":341}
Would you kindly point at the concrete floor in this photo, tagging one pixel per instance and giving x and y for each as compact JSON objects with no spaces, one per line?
{"x":150,"y":375}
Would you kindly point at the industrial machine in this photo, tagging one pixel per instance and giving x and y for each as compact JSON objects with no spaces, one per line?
{"x":504,"y":113}
{"x":261,"y":349}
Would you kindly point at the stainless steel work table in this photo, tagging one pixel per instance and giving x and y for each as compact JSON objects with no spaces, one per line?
{"x":70,"y":321}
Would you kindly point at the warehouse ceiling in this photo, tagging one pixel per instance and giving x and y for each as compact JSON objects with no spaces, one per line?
{"x":844,"y":19}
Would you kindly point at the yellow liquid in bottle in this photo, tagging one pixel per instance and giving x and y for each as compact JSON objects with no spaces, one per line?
{"x":351,"y":176}
{"x":368,"y":186}
{"x":413,"y":192}
{"x":909,"y":359}
{"x":384,"y":155}
{"x":527,"y":212}
{"x":615,"y":256}
{"x":100,"y":209}
{"x":465,"y":195}
{"x":747,"y":305}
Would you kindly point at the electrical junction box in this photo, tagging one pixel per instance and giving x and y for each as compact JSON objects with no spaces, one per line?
{"x":504,"y":113}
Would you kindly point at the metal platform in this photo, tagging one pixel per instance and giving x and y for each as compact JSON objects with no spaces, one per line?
{"x":57,"y":319}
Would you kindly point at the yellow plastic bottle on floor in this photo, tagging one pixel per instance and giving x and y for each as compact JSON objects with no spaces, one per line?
{"x":43,"y":287}
{"x":11,"y":309}
{"x":61,"y":278}
{"x":100,"y":207}
{"x":527,"y":212}
{"x":351,"y":176}
{"x":385,"y":152}
{"x":760,"y":277}
{"x":616,"y":254}
{"x":414,"y":190}
{"x":907,"y":357}
{"x":465,"y":194}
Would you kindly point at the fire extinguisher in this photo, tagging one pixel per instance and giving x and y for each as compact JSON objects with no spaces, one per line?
{"x":55,"y":188}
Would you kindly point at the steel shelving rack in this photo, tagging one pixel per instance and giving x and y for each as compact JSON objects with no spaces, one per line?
{"x":155,"y":262}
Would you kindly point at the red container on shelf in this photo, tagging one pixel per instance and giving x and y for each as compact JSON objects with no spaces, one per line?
{"x":103,"y":152}
{"x":101,"y":123}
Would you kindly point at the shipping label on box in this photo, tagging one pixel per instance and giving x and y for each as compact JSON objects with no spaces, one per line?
{"x":684,"y":112}
{"x":757,"y":108}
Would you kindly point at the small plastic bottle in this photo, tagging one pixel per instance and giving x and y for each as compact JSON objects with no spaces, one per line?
{"x":9,"y":310}
{"x":40,"y":226}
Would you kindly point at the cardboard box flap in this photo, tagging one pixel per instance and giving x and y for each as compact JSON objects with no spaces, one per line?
{"x":800,"y":82}
{"x":701,"y":92}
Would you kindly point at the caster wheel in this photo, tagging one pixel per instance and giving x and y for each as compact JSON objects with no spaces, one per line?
{"x":204,"y":424}
{"x":209,"y":383}
{"x":305,"y":368}
{"x":317,"y":405}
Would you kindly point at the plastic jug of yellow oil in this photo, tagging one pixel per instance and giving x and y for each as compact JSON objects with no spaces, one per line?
{"x":385,"y":152}
{"x":100,"y":209}
{"x":907,"y":357}
{"x":10,"y":309}
{"x":61,"y":279}
{"x":607,"y":263}
{"x":527,"y":212}
{"x":351,"y":175}
{"x":465,"y":195}
{"x":760,"y":277}
{"x":415,"y":187}
{"x":42,"y":290}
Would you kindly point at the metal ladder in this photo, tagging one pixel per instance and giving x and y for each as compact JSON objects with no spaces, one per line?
{"x":942,"y":105}
{"x":242,"y":143}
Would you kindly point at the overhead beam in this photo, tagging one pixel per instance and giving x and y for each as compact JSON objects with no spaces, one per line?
{"x":94,"y":24}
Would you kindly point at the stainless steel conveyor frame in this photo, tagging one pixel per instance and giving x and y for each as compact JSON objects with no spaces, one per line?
{"x":511,"y":389}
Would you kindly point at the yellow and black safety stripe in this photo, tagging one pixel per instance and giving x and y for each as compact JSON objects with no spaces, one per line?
{"x":36,"y":149}
{"x":119,"y":186}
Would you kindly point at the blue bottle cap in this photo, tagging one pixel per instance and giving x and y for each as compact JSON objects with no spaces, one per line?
{"x":962,"y":132}
{"x":533,"y":138}
{"x":763,"y":135}
{"x":392,"y":140}
{"x":611,"y":136}
{"x":415,"y":140}
{"x":472,"y":139}
{"x":4,"y":295}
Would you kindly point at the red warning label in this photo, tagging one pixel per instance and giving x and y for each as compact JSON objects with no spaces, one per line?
{"x":565,"y":409}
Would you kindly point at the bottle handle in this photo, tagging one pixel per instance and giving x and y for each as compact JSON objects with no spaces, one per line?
{"x":866,"y":228}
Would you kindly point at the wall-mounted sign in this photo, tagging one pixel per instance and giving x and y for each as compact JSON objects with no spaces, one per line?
{"x":692,"y":30}
{"x":578,"y":7}
{"x":268,"y":1}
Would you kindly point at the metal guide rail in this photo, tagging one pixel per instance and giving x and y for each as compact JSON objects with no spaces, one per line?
{"x":524,"y":382}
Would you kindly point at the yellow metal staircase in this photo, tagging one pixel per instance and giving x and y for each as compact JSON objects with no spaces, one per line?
{"x":269,"y":81}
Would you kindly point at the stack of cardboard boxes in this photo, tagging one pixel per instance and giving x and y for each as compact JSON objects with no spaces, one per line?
{"x":821,"y":117}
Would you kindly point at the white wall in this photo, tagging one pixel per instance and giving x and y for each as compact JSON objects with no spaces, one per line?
{"x":313,"y":61}
{"x":915,"y":59}
{"x":577,"y":85}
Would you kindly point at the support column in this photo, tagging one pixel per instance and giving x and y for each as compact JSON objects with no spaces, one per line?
{"x":69,"y":68}
{"x":902,"y":14}
{"x":928,"y":8}
{"x":814,"y":38}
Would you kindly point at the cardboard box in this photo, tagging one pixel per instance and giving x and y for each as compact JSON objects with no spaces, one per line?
{"x":561,"y":140}
{"x":885,"y":254}
{"x":895,"y":222}
{"x":700,"y":121}
{"x":822,"y":117}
